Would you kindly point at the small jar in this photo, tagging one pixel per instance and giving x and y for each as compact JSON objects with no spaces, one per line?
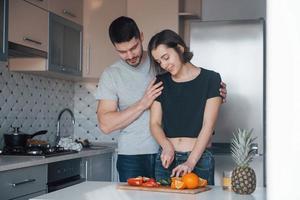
{"x":227,"y":180}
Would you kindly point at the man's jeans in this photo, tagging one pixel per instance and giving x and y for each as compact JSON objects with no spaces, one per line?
{"x":204,"y":168}
{"x":130,"y":166}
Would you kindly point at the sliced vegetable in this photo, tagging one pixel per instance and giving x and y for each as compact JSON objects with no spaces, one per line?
{"x":150,"y":184}
{"x":135,"y":181}
{"x":143,"y":181}
{"x":165,"y":182}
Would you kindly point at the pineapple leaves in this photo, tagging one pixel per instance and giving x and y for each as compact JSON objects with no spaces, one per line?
{"x":241,"y":147}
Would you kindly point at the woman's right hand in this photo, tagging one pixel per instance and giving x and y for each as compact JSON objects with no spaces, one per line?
{"x":167,"y":154}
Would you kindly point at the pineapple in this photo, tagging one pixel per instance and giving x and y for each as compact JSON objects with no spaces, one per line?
{"x":243,"y":177}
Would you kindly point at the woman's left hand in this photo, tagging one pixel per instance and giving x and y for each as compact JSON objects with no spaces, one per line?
{"x":223,"y":91}
{"x":182,"y":169}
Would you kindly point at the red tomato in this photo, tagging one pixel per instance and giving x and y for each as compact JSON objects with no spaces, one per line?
{"x":150,"y":184}
{"x":135,"y":181}
{"x":151,"y":180}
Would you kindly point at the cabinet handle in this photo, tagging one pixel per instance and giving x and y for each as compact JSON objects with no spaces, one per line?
{"x":86,"y":170}
{"x":40,"y":0}
{"x":70,"y":14}
{"x":22,"y":182}
{"x":89,"y":59}
{"x":31,"y":40}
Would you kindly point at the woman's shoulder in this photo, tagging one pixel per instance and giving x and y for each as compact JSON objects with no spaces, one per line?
{"x":163,"y":76}
{"x":210,"y":73}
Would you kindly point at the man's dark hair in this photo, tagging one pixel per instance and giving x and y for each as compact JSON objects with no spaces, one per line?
{"x":171,"y":40}
{"x":123,"y":29}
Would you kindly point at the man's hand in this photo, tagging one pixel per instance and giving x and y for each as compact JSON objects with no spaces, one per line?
{"x":151,"y":93}
{"x":167,"y":155}
{"x":223,"y":91}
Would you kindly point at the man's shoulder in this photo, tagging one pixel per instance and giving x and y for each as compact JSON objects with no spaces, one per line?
{"x":114,"y":68}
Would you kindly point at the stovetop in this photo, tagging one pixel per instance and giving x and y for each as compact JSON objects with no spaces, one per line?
{"x":44,"y":151}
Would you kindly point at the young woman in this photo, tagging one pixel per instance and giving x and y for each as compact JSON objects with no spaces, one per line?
{"x":184,"y":115}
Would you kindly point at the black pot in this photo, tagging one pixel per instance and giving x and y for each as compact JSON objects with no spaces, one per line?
{"x":19,"y":139}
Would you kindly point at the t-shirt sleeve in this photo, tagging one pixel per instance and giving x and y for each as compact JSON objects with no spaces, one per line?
{"x":159,"y":98}
{"x":106,"y":87}
{"x":214,"y":85}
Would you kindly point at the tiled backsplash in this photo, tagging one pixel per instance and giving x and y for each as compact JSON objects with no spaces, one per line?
{"x":85,"y":114}
{"x":33,"y":103}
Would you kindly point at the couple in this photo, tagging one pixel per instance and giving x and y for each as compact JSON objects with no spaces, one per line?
{"x":181,"y":105}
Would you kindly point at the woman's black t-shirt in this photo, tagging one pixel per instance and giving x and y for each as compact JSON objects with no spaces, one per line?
{"x":183,"y":103}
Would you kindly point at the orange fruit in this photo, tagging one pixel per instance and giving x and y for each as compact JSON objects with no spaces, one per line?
{"x":191,"y":180}
{"x":178,"y":184}
{"x":175,"y":178}
{"x":202,"y":182}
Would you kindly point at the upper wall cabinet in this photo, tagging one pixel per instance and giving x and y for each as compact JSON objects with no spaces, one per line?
{"x":65,"y":55}
{"x":40,"y":3}
{"x":233,"y":9}
{"x":154,"y":16}
{"x":55,"y":42}
{"x":69,"y":9}
{"x":189,"y":9}
{"x":3,"y":29}
{"x":98,"y":51}
{"x":28,"y":25}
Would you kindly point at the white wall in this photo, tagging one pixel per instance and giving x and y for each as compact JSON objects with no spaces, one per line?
{"x":283,"y":99}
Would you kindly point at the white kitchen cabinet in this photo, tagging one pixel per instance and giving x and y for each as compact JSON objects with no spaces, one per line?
{"x":40,"y":3}
{"x":97,"y":168}
{"x":59,"y":39}
{"x":28,"y":25}
{"x":98,"y":50}
{"x":190,"y":8}
{"x":69,"y":9}
{"x":24,"y":182}
{"x":154,"y":16}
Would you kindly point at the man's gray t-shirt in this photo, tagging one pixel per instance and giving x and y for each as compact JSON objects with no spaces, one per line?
{"x":126,"y":85}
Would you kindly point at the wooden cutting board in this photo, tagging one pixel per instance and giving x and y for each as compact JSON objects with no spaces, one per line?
{"x":125,"y":186}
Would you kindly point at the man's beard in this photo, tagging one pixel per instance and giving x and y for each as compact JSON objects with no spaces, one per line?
{"x":139,"y":59}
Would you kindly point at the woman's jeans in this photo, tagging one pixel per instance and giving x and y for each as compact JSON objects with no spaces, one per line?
{"x":130,"y":166}
{"x":204,"y":168}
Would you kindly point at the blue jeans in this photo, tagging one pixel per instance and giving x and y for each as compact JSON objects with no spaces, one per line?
{"x":204,"y":168}
{"x":130,"y":166}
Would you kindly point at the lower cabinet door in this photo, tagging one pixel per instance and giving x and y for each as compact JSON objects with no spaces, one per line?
{"x":98,"y":168}
{"x":23,"y":181}
{"x":29,"y":196}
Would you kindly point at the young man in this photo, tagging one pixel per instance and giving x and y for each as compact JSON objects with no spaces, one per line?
{"x":125,"y":93}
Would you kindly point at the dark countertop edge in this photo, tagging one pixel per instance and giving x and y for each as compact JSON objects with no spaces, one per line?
{"x":42,"y":160}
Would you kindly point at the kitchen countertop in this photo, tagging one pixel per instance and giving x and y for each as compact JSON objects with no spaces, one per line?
{"x":107,"y":190}
{"x":15,"y":162}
